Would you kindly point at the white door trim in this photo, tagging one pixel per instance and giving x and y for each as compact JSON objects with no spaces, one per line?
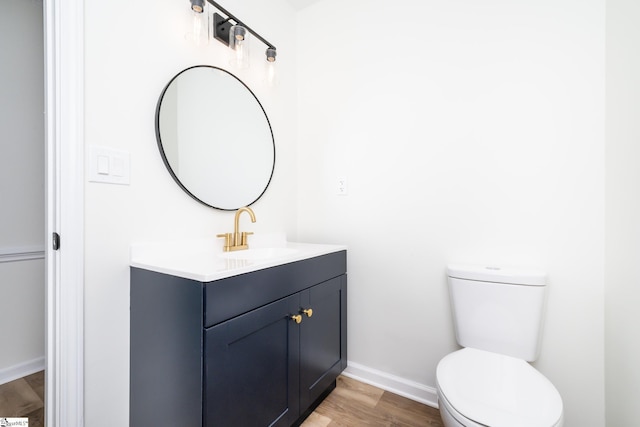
{"x":64,"y":87}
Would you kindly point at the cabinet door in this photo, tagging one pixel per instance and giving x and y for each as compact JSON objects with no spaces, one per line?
{"x":322,"y":338}
{"x":251,"y":368}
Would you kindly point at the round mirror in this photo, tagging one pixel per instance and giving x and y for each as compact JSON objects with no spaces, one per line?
{"x":215,"y":138}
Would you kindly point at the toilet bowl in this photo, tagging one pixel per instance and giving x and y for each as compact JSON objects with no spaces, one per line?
{"x":498,"y":317}
{"x":478,"y":388}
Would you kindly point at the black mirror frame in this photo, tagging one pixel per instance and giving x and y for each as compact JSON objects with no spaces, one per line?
{"x":166,"y":161}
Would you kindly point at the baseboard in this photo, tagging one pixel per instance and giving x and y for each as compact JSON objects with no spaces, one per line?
{"x":21,"y":370}
{"x":394,"y":384}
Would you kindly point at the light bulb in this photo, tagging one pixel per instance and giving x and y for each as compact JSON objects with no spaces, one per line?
{"x":272,"y":75}
{"x":241,"y":54}
{"x":197,"y":27}
{"x":239,"y":42}
{"x":199,"y":34}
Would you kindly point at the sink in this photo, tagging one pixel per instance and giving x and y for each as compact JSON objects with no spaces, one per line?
{"x":259,"y":253}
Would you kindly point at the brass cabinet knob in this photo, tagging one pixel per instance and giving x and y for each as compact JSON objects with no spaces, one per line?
{"x":308,"y":312}
{"x":297,"y":318}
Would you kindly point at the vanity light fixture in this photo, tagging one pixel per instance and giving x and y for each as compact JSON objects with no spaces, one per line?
{"x":199,"y":22}
{"x":197,"y":6}
{"x":271,"y":54}
{"x":232,"y":32}
{"x":237,"y":33}
{"x":238,"y":42}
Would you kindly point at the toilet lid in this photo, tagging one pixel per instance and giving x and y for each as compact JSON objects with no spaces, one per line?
{"x":496,"y":390}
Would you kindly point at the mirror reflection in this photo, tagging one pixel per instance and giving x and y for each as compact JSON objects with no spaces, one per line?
{"x":215,"y":138}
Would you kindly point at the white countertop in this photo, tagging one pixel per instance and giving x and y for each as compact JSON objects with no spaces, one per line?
{"x":203,"y":259}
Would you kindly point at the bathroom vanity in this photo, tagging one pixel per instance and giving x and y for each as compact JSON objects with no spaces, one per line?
{"x":233,"y":339}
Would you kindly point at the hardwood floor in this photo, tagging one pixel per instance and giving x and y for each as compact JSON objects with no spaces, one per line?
{"x":353,"y":403}
{"x":24,"y":397}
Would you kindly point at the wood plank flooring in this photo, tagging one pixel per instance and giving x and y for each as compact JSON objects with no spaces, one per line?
{"x":353,"y":403}
{"x":24,"y":397}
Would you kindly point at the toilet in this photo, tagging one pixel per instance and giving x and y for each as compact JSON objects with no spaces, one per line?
{"x":498,"y":317}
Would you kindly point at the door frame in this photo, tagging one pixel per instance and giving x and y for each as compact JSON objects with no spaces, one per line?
{"x":64,"y":135}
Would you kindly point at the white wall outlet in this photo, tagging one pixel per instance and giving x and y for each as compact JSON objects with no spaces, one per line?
{"x":108,"y":165}
{"x":342,"y":187}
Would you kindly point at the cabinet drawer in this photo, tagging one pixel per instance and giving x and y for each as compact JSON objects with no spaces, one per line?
{"x":228,"y":298}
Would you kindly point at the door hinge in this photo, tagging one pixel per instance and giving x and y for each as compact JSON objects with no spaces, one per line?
{"x":55,"y":241}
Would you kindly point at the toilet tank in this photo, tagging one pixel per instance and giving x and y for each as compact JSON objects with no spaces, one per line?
{"x":498,"y":310}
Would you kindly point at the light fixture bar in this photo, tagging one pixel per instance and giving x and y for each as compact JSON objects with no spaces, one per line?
{"x":230,"y":16}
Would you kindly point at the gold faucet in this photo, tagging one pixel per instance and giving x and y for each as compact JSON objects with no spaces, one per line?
{"x":237,"y":241}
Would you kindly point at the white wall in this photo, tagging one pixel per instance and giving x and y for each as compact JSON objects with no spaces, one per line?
{"x":132,"y":49}
{"x":21,"y":183}
{"x":469,"y":132}
{"x":623,"y":211}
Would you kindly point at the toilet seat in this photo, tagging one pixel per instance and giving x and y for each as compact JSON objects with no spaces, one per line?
{"x":495,"y":390}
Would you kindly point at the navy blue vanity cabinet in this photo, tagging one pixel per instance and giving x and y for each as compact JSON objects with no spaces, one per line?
{"x":230,"y":352}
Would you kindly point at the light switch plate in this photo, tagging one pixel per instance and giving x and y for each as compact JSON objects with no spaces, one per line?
{"x":108,"y":165}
